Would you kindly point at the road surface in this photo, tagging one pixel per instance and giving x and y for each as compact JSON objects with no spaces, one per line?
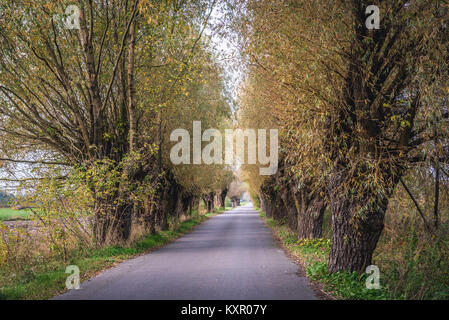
{"x":231,"y":256}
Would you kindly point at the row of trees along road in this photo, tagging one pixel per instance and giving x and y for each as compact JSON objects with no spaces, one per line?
{"x":94,"y":106}
{"x":356,"y":109}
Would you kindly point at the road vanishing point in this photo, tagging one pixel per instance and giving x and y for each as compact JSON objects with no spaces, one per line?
{"x":231,"y":256}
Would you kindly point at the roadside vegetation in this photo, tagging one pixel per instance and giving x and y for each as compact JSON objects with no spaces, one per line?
{"x":44,"y":278}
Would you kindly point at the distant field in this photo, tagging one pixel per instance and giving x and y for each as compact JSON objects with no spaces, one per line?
{"x":11,"y":214}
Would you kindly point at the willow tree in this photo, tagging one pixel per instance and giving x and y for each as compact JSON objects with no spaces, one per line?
{"x":372,"y":135}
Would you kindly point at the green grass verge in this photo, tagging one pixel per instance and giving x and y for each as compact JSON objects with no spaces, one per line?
{"x":12,"y":214}
{"x":50,"y":279}
{"x":314,"y":255}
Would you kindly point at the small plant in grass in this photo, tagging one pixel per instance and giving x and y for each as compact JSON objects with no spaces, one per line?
{"x":317,"y":243}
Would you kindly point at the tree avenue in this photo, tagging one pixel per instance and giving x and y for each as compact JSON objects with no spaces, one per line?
{"x":341,"y":125}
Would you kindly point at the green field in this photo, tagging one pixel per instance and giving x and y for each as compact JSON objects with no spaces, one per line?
{"x":12,"y":214}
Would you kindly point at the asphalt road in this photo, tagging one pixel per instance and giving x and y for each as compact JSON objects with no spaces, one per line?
{"x":231,"y":256}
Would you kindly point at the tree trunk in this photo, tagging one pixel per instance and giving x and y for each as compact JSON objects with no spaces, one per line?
{"x":223,"y":194}
{"x":269,"y":199}
{"x":262,"y":204}
{"x":357,"y":223}
{"x":150,"y":215}
{"x":310,"y":209}
{"x":162,"y":210}
{"x":112,"y":224}
{"x":131,"y":89}
{"x":208,"y":199}
{"x":196,"y":204}
{"x":353,"y":239}
{"x":290,"y":208}
{"x":310,"y":223}
{"x":124,"y":222}
{"x":186,"y":204}
{"x":267,"y":207}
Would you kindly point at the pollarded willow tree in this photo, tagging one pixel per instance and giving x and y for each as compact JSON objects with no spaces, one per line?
{"x":372,"y":137}
{"x":96,"y":91}
{"x":353,"y":104}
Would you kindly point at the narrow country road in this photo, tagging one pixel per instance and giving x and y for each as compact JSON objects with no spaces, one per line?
{"x":230,"y":256}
